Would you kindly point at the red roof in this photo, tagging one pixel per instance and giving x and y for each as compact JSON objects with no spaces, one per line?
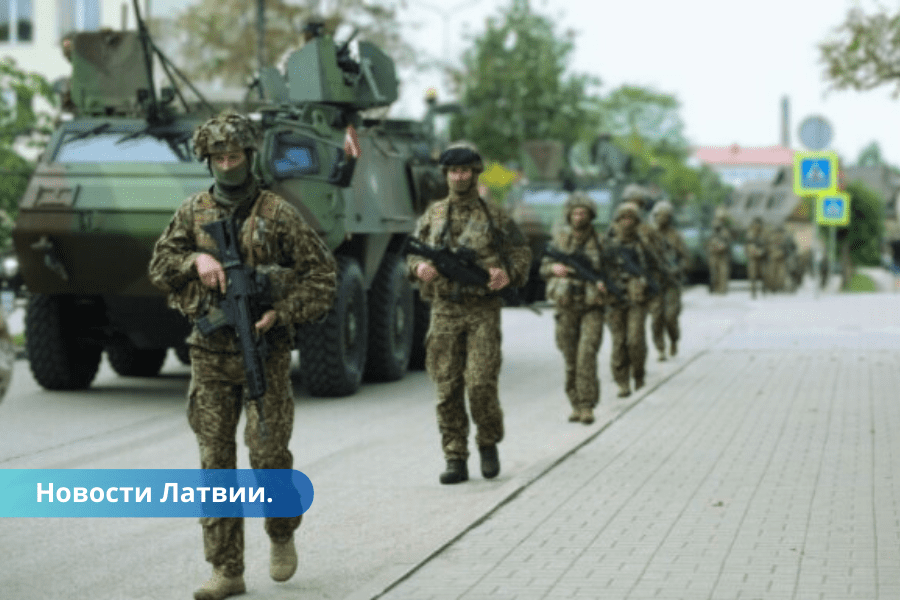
{"x":736,"y":155}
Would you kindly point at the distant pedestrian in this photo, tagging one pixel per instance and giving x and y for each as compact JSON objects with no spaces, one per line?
{"x":755,"y":247}
{"x":665,"y":307}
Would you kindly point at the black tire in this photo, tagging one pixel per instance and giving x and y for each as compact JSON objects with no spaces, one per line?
{"x":390,"y":322}
{"x":333,"y":351}
{"x":58,"y":359}
{"x":183,"y":352}
{"x":129,"y":361}
{"x":421,"y":321}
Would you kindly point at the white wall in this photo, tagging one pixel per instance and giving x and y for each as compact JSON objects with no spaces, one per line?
{"x":43,"y":54}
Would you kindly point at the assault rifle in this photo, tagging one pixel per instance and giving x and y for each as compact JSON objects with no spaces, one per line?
{"x":247,"y":297}
{"x":629,"y":261}
{"x":460,"y":265}
{"x":581,"y":264}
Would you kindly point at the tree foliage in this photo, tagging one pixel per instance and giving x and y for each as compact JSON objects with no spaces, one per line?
{"x":864,"y":51}
{"x":863,"y":235}
{"x":20,"y":123}
{"x":209,"y":52}
{"x":514,"y":87}
{"x":631,"y":110}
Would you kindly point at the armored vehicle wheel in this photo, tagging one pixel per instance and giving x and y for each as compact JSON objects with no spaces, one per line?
{"x":130,"y":361}
{"x":421,"y":321}
{"x":390,"y":321}
{"x":58,"y":359}
{"x":333,"y":351}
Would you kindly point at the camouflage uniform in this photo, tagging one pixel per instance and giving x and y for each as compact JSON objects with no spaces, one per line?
{"x":777,"y":251}
{"x":579,"y":312}
{"x":275,"y":239}
{"x":626,"y":318}
{"x":756,"y":255}
{"x":719,"y":250}
{"x":463,"y":342}
{"x":665,"y":307}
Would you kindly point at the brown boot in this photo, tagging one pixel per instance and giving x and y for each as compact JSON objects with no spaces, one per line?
{"x":282,"y":560}
{"x":587,"y":415}
{"x":624,"y":391}
{"x":575,"y":416}
{"x":219,"y":586}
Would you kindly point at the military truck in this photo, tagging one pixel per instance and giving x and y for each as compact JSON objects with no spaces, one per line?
{"x":114,"y":172}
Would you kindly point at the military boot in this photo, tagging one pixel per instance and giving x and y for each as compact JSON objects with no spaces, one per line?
{"x":587,"y":415}
{"x":282,"y":560}
{"x":457,"y":471}
{"x":674,"y":349}
{"x":220,"y":586}
{"x":575,"y":416}
{"x":638,"y":384}
{"x":490,"y":461}
{"x":662,"y":356}
{"x":624,"y":391}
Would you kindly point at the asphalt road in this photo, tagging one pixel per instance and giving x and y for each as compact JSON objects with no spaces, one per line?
{"x":373,"y":459}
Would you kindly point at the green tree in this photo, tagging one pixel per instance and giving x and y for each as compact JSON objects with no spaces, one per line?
{"x":209,"y":52}
{"x":861,"y":240}
{"x":515,"y":88}
{"x":861,"y":52}
{"x":631,"y":110}
{"x":20,"y":123}
{"x":870,"y":156}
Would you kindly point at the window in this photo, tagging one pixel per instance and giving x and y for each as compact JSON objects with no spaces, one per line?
{"x":102,"y":145}
{"x":294,"y":156}
{"x":78,"y":15}
{"x":15,"y":21}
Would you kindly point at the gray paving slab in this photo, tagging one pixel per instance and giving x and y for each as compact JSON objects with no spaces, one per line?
{"x":765,"y":468}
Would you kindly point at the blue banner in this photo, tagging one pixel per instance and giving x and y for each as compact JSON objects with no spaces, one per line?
{"x":154,"y":493}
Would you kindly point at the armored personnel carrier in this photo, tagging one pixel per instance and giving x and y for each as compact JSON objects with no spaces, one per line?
{"x":113,"y":175}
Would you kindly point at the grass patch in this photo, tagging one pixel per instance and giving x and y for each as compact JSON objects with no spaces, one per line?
{"x":861,"y":283}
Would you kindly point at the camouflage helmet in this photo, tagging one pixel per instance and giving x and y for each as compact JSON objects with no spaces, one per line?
{"x":635,"y":193}
{"x":461,"y":154}
{"x":663,"y":206}
{"x":627,"y":208}
{"x":227,"y":132}
{"x":580,"y":200}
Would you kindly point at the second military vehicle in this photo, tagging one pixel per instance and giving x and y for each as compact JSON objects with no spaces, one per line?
{"x":113,"y":174}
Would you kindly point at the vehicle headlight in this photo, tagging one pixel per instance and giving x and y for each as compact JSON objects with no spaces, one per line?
{"x":10,"y":266}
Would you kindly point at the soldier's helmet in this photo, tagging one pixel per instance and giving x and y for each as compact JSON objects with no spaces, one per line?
{"x":627,"y":208}
{"x":461,"y":154}
{"x":580,"y":200}
{"x":636,"y":194}
{"x":662,"y":207}
{"x":227,"y":132}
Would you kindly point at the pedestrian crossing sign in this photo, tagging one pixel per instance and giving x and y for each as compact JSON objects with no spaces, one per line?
{"x":815,"y":173}
{"x":833,"y":209}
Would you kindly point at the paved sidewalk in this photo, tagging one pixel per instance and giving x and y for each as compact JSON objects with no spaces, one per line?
{"x":765,"y":469}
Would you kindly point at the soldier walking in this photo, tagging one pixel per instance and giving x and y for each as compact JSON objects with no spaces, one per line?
{"x":719,"y":250}
{"x":755,"y":245}
{"x":273,"y":238}
{"x":579,"y":306}
{"x":665,"y":307}
{"x":463,"y":342}
{"x":634,"y":266}
{"x":777,"y":253}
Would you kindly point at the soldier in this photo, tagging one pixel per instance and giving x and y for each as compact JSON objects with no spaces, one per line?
{"x":579,"y":306}
{"x":666,"y":306}
{"x":275,"y":239}
{"x":719,"y":250}
{"x":777,"y":253}
{"x":463,"y":340}
{"x":635,"y":267}
{"x":755,"y":244}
